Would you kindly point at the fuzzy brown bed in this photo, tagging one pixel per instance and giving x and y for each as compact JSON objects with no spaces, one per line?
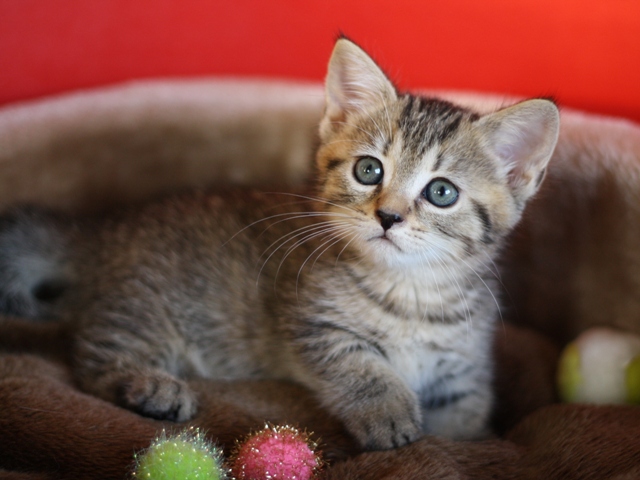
{"x":573,"y":264}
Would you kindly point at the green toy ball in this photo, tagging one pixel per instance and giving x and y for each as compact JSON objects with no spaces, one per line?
{"x":187,"y":455}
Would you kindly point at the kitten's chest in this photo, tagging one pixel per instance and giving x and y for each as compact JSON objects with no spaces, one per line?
{"x":418,"y":296}
{"x":425,"y":354}
{"x":427,"y":332}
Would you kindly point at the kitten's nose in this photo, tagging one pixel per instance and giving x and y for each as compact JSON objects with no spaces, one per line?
{"x":388,"y":219}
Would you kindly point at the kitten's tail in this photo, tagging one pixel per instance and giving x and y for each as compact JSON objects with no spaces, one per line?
{"x":34,"y":266}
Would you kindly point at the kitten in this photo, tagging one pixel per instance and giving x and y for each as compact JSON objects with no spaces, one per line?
{"x":375,"y":290}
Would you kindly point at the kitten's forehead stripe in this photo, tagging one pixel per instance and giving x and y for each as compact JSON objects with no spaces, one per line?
{"x":439,"y":161}
{"x":427,"y":121}
{"x":387,"y":145}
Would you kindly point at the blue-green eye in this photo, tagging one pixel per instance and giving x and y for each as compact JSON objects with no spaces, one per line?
{"x":368,"y":171}
{"x":441,"y":192}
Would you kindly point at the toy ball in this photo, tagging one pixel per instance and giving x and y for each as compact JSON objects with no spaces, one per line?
{"x":276,"y":453}
{"x":187,"y":455}
{"x":602,"y":366}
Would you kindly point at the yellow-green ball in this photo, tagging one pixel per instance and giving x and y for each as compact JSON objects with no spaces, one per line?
{"x":602,"y":366}
{"x":569,"y":373}
{"x":182,"y":457}
{"x":632,"y":381}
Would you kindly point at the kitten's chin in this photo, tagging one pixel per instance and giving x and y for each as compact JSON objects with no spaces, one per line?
{"x":393,"y":253}
{"x":384,"y":243}
{"x":388,"y":252}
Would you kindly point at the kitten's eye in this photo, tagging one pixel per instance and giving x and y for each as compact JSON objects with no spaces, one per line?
{"x":368,"y":171}
{"x":441,"y":192}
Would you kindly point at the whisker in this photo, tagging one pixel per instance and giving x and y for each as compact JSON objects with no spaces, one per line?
{"x":355,"y":235}
{"x":461,"y":295}
{"x":331,"y":241}
{"x":289,"y":215}
{"x":451,"y":267}
{"x":278,"y":215}
{"x":306,"y":232}
{"x":315,"y":234}
{"x":297,"y":232}
{"x":316,"y":199}
{"x":495,"y":271}
{"x":296,"y":216}
{"x":488,"y":289}
{"x":435,"y":280}
{"x":342,"y":231}
{"x":328,"y":229}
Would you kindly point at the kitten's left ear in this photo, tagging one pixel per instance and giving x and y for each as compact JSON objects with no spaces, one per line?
{"x":523,"y":137}
{"x":354,"y":83}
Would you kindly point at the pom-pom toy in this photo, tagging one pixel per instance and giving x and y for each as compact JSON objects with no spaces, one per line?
{"x":601,"y":366}
{"x":276,"y":453}
{"x":187,"y":455}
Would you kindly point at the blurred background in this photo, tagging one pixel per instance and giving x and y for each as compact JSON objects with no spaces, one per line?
{"x":584,"y":53}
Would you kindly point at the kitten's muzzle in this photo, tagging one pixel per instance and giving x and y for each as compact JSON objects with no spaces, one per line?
{"x":387,"y":219}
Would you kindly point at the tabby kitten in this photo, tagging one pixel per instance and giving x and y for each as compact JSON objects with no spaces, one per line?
{"x":375,"y":291}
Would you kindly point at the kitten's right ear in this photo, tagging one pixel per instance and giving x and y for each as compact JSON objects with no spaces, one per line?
{"x":354,"y":83}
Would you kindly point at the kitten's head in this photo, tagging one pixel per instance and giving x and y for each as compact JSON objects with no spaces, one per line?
{"x":416,"y":178}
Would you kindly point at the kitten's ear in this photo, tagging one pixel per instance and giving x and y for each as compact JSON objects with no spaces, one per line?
{"x":354,"y":83}
{"x":523,"y":137}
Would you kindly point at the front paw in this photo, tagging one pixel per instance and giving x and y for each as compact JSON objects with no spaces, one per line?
{"x":385,"y":424}
{"x":160,"y":396}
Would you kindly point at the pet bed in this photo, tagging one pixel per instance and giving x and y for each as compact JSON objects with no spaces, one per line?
{"x":572,"y":264}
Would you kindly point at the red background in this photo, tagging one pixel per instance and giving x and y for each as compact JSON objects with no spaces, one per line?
{"x":584,"y":53}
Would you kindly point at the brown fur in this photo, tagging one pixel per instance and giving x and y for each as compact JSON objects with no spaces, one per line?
{"x":580,"y":441}
{"x":56,"y":428}
{"x":7,"y":475}
{"x":165,"y":140}
{"x":94,"y":438}
{"x":48,"y":427}
{"x":434,"y":458}
{"x":575,"y":262}
{"x":528,"y":382}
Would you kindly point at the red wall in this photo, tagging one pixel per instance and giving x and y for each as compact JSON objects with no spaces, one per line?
{"x":585,"y":53}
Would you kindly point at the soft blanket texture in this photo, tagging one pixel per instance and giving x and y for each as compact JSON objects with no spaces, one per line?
{"x":572,"y":264}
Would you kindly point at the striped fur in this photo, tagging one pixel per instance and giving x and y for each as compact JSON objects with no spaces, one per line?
{"x":374,"y":297}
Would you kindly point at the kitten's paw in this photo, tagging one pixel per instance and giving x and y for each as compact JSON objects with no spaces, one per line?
{"x":389,"y":424}
{"x":158,"y":396}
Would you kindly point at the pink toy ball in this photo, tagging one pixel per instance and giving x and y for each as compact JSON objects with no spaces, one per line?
{"x":276,"y":453}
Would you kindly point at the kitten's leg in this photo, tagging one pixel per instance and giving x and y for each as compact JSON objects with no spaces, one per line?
{"x":131,"y":368}
{"x":354,"y":381}
{"x":150,"y":392}
{"x":460,"y":409}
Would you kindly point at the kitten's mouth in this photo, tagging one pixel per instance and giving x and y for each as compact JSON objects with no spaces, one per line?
{"x":385,"y":240}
